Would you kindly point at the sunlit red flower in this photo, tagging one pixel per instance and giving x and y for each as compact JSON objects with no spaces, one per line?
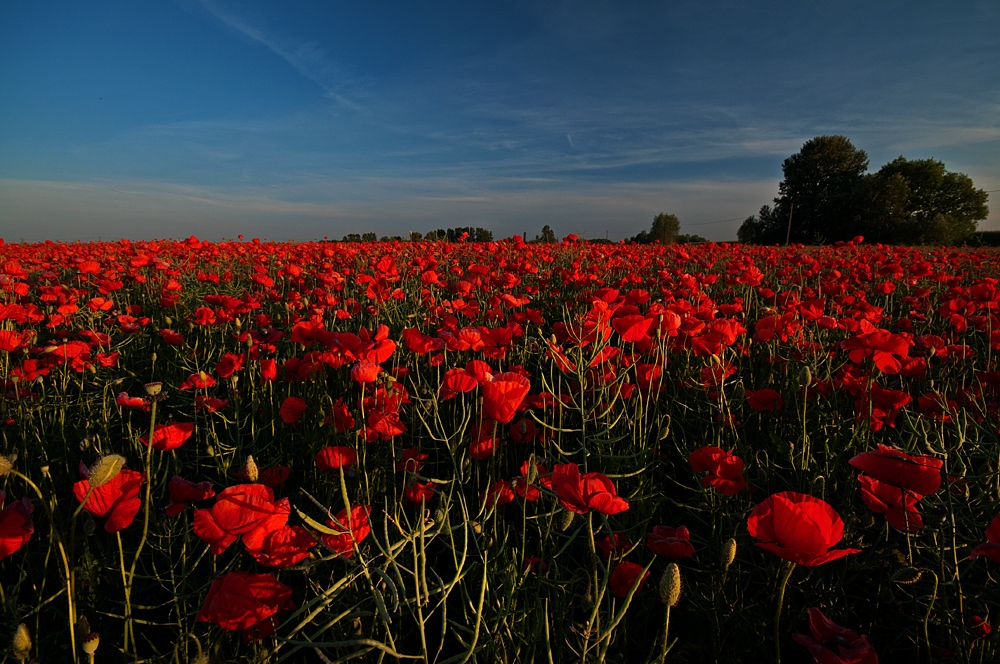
{"x":499,"y":493}
{"x":365,"y":371}
{"x":171,"y":436}
{"x":284,"y":547}
{"x":920,"y":474}
{"x":582,"y":493}
{"x":418,"y":492}
{"x":118,"y":500}
{"x":352,"y":529}
{"x":503,"y":395}
{"x":725,"y":470}
{"x":670,"y":542}
{"x":829,"y":643}
{"x":798,"y":528}
{"x":626,"y":576}
{"x":336,"y":456}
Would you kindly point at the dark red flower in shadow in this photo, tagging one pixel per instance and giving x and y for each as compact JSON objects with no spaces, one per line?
{"x":171,"y":436}
{"x":16,"y":525}
{"x":244,"y":601}
{"x":991,"y":549}
{"x":625,"y":576}
{"x":670,"y":542}
{"x":899,"y":506}
{"x":183,"y":491}
{"x":725,"y":470}
{"x":829,"y":643}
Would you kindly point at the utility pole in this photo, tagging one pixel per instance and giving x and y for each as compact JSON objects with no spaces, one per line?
{"x":788,"y":235}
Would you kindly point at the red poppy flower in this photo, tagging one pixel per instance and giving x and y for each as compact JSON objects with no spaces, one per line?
{"x":171,"y":436}
{"x":582,"y":493}
{"x":16,"y":525}
{"x":625,"y":576}
{"x":229,"y":364}
{"x":273,"y":477}
{"x":365,"y":371}
{"x":245,"y":510}
{"x":500,"y":493}
{"x":352,"y":529}
{"x":503,"y":395}
{"x":336,"y":456}
{"x":670,"y":542}
{"x":118,"y":499}
{"x":205,"y":527}
{"x":920,"y":474}
{"x":285,"y":547}
{"x":764,"y":400}
{"x":292,"y":409}
{"x":798,"y":528}
{"x":899,"y":507}
{"x":243,"y":601}
{"x":991,"y":549}
{"x":829,"y":643}
{"x":612,"y":545}
{"x":183,"y":491}
{"x":123,"y":399}
{"x":632,"y":328}
{"x":725,"y":470}
{"x":420,"y":492}
{"x":341,"y":417}
{"x":411,"y":460}
{"x":483,"y":440}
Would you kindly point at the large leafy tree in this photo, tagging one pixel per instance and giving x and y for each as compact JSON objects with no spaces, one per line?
{"x":936,"y":206}
{"x":826,"y":195}
{"x":666,"y":228}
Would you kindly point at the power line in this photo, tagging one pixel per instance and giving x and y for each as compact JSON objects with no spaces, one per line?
{"x":721,"y":221}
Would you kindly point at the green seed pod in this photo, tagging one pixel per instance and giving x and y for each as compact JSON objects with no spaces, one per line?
{"x":670,"y":585}
{"x":532,"y":470}
{"x":5,"y":465}
{"x":805,"y":377}
{"x":907,"y":576}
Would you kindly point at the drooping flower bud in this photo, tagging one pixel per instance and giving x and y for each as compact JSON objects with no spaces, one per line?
{"x":728,"y":553}
{"x":106,"y":469}
{"x":907,"y":576}
{"x":21,"y":645}
{"x":250,"y":470}
{"x":5,"y":465}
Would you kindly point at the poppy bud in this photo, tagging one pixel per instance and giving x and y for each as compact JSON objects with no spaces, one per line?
{"x":250,"y":470}
{"x":567,"y":521}
{"x":670,"y":585}
{"x":477,"y":528}
{"x":907,"y":576}
{"x":88,"y":525}
{"x":21,"y":645}
{"x":728,"y":553}
{"x":90,"y":643}
{"x":168,"y":320}
{"x":210,"y":451}
{"x":5,"y":465}
{"x":805,"y":377}
{"x":532,"y":471}
{"x":106,"y":469}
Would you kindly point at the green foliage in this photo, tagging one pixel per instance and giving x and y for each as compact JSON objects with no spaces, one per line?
{"x":666,"y":228}
{"x":826,"y":195}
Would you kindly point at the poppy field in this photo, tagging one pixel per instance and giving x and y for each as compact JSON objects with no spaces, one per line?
{"x":250,"y":451}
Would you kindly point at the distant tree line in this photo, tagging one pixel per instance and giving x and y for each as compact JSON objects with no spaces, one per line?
{"x":462,"y":233}
{"x":666,"y":228}
{"x":828,"y":195}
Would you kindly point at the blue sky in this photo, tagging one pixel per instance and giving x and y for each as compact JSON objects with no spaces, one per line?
{"x":310,"y":119}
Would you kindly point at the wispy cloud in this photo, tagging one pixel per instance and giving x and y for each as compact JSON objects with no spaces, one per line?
{"x":308,"y":58}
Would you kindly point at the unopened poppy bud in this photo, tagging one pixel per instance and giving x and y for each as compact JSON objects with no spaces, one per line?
{"x":21,"y":645}
{"x":106,"y":469}
{"x":477,"y":528}
{"x":210,"y":451}
{"x":89,"y":526}
{"x":90,"y":643}
{"x":168,"y":320}
{"x":250,"y":470}
{"x":522,"y":426}
{"x":664,"y":432}
{"x":152,"y":389}
{"x":5,"y":465}
{"x":907,"y":576}
{"x":567,"y":521}
{"x":532,"y":471}
{"x":728,"y":553}
{"x":238,"y":323}
{"x":805,"y":377}
{"x":82,"y":627}
{"x":670,"y":585}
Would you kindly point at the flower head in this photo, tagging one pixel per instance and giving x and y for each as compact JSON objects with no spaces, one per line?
{"x":798,"y":528}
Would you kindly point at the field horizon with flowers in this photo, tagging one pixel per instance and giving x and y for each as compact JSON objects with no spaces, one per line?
{"x":475,"y":452}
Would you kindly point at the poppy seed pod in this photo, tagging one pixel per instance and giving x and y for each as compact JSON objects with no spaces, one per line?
{"x":91,"y":642}
{"x":670,"y":585}
{"x":106,"y":469}
{"x":153,"y":389}
{"x":5,"y":465}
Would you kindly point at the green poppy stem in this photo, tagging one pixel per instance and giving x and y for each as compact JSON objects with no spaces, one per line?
{"x":777,"y":612}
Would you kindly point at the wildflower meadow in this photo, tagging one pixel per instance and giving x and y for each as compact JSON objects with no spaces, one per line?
{"x":252,"y":451}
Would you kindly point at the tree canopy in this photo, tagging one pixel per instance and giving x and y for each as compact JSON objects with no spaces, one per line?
{"x":826,"y":195}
